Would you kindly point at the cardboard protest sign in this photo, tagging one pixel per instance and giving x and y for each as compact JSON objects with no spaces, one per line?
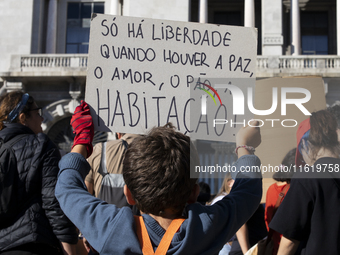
{"x":144,"y":73}
{"x":279,"y":131}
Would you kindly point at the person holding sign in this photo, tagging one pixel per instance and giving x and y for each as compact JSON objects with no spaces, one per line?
{"x":156,"y":171}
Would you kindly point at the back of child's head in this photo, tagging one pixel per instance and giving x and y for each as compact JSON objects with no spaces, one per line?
{"x":287,"y":167}
{"x":156,"y":170}
{"x":204,"y":196}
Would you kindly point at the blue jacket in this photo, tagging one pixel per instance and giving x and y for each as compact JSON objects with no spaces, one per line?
{"x":111,"y":230}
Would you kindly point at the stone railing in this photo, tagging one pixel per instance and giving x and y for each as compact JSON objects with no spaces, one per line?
{"x":49,"y":64}
{"x":52,"y":61}
{"x":324,"y":65}
{"x":267,"y":66}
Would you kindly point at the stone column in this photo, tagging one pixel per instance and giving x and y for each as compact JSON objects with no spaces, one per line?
{"x":249,"y":13}
{"x":338,"y":25}
{"x":272,"y":39}
{"x":295,"y":27}
{"x":114,"y":7}
{"x":203,"y":11}
{"x":51,"y":38}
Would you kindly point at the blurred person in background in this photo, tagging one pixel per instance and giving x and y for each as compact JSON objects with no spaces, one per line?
{"x":276,"y":190}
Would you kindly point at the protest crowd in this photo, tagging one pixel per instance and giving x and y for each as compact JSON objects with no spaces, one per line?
{"x":134,"y":195}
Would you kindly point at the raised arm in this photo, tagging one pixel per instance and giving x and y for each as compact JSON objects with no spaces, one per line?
{"x":231,"y":213}
{"x":88,"y":213}
{"x":248,"y":137}
{"x":83,"y":128}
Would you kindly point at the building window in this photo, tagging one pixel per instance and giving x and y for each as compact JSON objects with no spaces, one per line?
{"x":314,"y":33}
{"x":78,"y":25}
{"x":228,"y":18}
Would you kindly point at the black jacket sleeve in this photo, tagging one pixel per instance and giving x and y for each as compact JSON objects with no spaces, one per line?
{"x":62,"y":227}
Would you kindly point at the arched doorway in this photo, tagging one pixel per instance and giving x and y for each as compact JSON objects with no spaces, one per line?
{"x":56,"y":124}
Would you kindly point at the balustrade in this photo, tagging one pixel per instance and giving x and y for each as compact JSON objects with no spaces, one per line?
{"x":266,"y":65}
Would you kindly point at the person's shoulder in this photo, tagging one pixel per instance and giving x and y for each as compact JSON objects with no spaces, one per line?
{"x":327,"y":161}
{"x":113,"y":145}
{"x":274,"y":188}
{"x":130,"y":137}
{"x":279,"y":186}
{"x":110,"y":143}
{"x":97,"y":148}
{"x":43,"y":138}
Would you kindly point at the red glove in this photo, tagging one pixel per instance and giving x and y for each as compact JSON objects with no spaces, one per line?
{"x":83,"y":127}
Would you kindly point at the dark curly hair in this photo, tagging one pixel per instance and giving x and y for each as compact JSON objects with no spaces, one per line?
{"x":156,"y":170}
{"x":323,"y":133}
{"x":9,"y":101}
{"x":288,"y":162}
{"x":335,"y":110}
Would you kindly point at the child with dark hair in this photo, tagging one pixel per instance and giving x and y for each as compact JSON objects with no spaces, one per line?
{"x":159,"y":164}
{"x":156,"y":171}
{"x":286,"y":168}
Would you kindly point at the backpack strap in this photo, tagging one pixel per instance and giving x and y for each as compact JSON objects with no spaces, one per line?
{"x":102,"y":168}
{"x":281,"y":197}
{"x":278,"y":202}
{"x":126,"y":145}
{"x":144,"y":238}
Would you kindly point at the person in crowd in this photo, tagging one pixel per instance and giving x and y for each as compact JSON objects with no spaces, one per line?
{"x":205,"y":193}
{"x":156,"y":171}
{"x":224,"y":190}
{"x":250,"y":233}
{"x":279,"y":189}
{"x":308,"y":217}
{"x":105,"y":179}
{"x":335,"y":110}
{"x":36,"y":225}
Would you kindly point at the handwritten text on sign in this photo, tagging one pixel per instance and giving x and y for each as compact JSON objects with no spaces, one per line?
{"x":141,"y":72}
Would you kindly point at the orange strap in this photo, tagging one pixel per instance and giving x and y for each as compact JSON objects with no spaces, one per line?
{"x":144,"y":238}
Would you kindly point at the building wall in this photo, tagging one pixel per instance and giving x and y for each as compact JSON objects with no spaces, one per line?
{"x":62,"y":20}
{"x":15,"y":30}
{"x":272,"y":36}
{"x":157,"y":9}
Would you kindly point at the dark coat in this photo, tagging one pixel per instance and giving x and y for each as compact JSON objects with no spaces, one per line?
{"x":40,"y":218}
